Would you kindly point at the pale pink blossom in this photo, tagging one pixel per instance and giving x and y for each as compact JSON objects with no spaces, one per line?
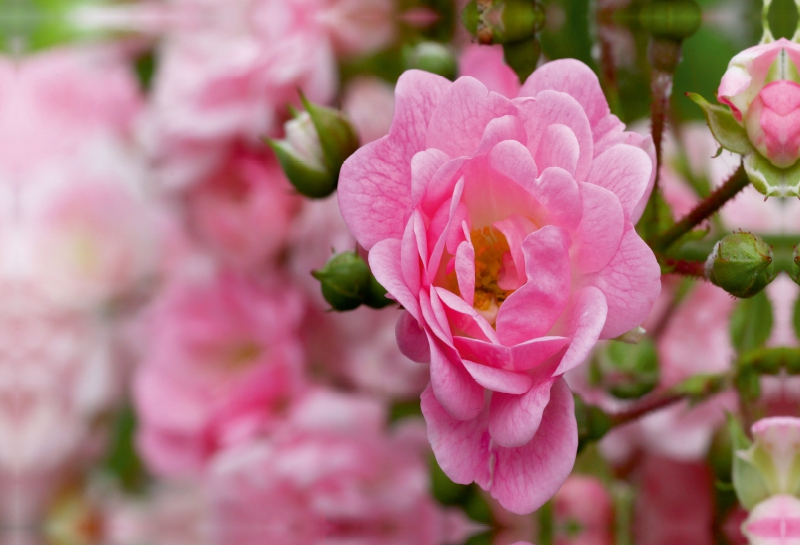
{"x":674,"y":503}
{"x":223,"y":363}
{"x":57,"y":377}
{"x":775,"y":521}
{"x":369,"y":103}
{"x":54,"y":102}
{"x":485,"y":63}
{"x":505,"y":229}
{"x":227,"y":70}
{"x":583,"y":512}
{"x":243,"y":210}
{"x":332,"y":475}
{"x":762,"y":89}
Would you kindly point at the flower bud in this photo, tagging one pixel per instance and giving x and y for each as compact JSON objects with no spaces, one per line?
{"x":774,"y":521}
{"x":503,"y":21}
{"x":794,"y":273}
{"x":626,"y":370}
{"x":776,"y":453}
{"x":432,"y":57}
{"x":347,"y":283}
{"x":741,"y":264}
{"x":673,"y":20}
{"x":317,"y":143}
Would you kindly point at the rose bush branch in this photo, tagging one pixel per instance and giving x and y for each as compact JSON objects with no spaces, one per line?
{"x":702,"y":211}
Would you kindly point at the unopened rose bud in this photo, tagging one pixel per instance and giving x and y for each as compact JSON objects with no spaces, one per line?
{"x":347,"y":283}
{"x":503,"y":21}
{"x":776,"y":453}
{"x":794,"y":273}
{"x":671,"y":19}
{"x":627,"y":371}
{"x":317,"y":142}
{"x":774,"y":521}
{"x":432,"y":57}
{"x":741,"y":264}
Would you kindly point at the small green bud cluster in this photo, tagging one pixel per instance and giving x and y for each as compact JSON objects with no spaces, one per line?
{"x":317,"y":143}
{"x":347,"y":283}
{"x":741,"y":264}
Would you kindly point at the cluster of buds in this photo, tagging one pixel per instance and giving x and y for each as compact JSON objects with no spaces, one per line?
{"x":317,"y":142}
{"x":512,"y":23}
{"x":766,"y":476}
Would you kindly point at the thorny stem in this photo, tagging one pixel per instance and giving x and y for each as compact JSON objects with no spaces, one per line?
{"x":702,"y":211}
{"x":683,"y":267}
{"x":645,"y":405}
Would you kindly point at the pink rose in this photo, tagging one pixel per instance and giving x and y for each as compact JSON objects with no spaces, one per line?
{"x":223,"y":363}
{"x":53,"y":102}
{"x":334,"y":475}
{"x":243,"y":210}
{"x":369,"y":102}
{"x":770,"y":111}
{"x":505,"y":229}
{"x":583,"y":503}
{"x":674,"y":504}
{"x":57,"y":378}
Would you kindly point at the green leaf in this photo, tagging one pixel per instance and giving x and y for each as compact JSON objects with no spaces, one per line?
{"x":728,"y":132}
{"x":751,"y":322}
{"x":750,"y":486}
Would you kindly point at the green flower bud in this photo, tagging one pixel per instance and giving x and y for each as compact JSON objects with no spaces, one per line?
{"x":347,"y":283}
{"x":671,"y":19}
{"x":795,"y":270}
{"x":317,"y":143}
{"x":627,"y":371}
{"x":432,"y":57}
{"x":770,"y":464}
{"x":503,"y":21}
{"x":741,"y":264}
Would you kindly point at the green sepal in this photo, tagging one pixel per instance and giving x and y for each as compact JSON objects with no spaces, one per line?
{"x":770,"y":180}
{"x":310,"y":182}
{"x":727,"y":131}
{"x":747,"y":480}
{"x":336,"y":134}
{"x":751,"y":323}
{"x":741,"y":264}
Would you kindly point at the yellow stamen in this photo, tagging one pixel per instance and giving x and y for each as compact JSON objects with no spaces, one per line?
{"x":490,"y":246}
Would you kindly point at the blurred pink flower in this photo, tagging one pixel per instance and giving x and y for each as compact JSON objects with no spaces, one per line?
{"x":243,"y":210}
{"x":332,"y":475}
{"x":775,"y":521}
{"x":223,"y":363}
{"x":369,"y":103}
{"x":227,"y":70}
{"x":485,"y":63}
{"x":90,"y":242}
{"x":54,"y":102}
{"x":57,"y":377}
{"x":505,"y":229}
{"x":583,"y":512}
{"x":674,"y":504}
